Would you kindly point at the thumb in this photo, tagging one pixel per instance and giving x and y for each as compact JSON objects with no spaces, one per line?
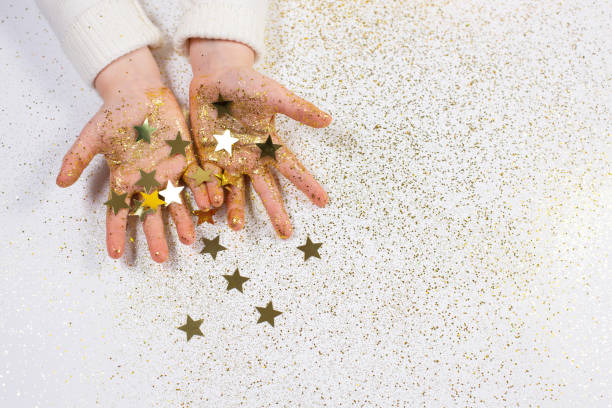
{"x":288,"y":103}
{"x":80,"y":154}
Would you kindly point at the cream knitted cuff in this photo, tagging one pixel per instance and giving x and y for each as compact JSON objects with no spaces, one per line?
{"x":237,"y":20}
{"x":105,"y":32}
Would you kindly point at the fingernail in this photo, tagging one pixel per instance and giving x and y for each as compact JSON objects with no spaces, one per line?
{"x":236,"y":219}
{"x":285,"y":233}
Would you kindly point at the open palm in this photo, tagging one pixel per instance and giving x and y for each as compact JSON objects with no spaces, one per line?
{"x":111,"y":132}
{"x":241,"y":100}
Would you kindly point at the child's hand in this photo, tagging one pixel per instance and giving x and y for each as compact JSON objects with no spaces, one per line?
{"x":132,"y":91}
{"x":224,"y":69}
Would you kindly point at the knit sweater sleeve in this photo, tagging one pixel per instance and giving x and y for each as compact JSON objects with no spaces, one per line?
{"x":94,"y":33}
{"x":237,"y":20}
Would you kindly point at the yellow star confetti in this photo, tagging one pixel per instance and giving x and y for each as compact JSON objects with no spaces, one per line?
{"x":152,"y":200}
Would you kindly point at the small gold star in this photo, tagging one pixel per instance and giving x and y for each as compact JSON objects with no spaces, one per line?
{"x":192,"y":328}
{"x":147,"y":180}
{"x":226,"y":179}
{"x":235,"y":281}
{"x":212,"y":247}
{"x":310,"y":249}
{"x":140,"y":210}
{"x":205,"y":216}
{"x":268,"y":148}
{"x":117,"y":202}
{"x":267,"y":314}
{"x":178,"y":145}
{"x":145,"y":131}
{"x":201,"y":175}
{"x":152,"y":200}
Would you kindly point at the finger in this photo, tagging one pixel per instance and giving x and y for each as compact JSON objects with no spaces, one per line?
{"x":200,"y":194}
{"x":267,"y":189}
{"x":215,"y":191}
{"x":288,"y":103}
{"x":115,"y":230}
{"x":294,"y":170}
{"x":235,"y":205}
{"x":80,"y":154}
{"x":154,"y":231}
{"x":184,"y":223}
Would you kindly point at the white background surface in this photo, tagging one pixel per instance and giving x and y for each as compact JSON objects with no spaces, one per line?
{"x":466,"y":247}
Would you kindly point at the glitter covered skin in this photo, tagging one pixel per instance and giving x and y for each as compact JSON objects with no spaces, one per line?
{"x":132,"y":91}
{"x":223,"y":72}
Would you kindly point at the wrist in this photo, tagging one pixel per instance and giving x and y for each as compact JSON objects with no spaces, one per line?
{"x":208,"y":56}
{"x":136,"y":70}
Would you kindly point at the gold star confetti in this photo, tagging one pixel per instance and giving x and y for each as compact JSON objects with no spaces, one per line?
{"x":310,"y":249}
{"x":145,"y":131}
{"x":212,"y":247}
{"x":268,"y":148}
{"x":117,"y":202}
{"x":140,"y":210}
{"x":147,"y":180}
{"x":152,"y":200}
{"x":201,"y":175}
{"x":178,"y":145}
{"x":235,"y":281}
{"x":267,"y":314}
{"x":192,"y":328}
{"x":205,"y":216}
{"x":222,"y":106}
{"x":226,"y":179}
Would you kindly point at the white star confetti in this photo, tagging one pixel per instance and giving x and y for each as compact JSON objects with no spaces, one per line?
{"x":171,"y":194}
{"x":225,"y":141}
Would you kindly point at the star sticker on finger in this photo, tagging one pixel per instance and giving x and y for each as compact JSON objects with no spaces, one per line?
{"x":235,"y":281}
{"x":205,"y":216}
{"x":145,"y":131}
{"x":152,"y":200}
{"x":140,"y":211}
{"x":267,"y":314}
{"x":310,"y":249}
{"x":226,"y":179}
{"x":117,"y":202}
{"x":201,"y":175}
{"x":178,"y":145}
{"x":212,"y":247}
{"x":172,"y":194}
{"x":222,"y":106}
{"x":147,"y":180}
{"x":225,"y":141}
{"x":268,"y":149}
{"x":192,"y":327}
